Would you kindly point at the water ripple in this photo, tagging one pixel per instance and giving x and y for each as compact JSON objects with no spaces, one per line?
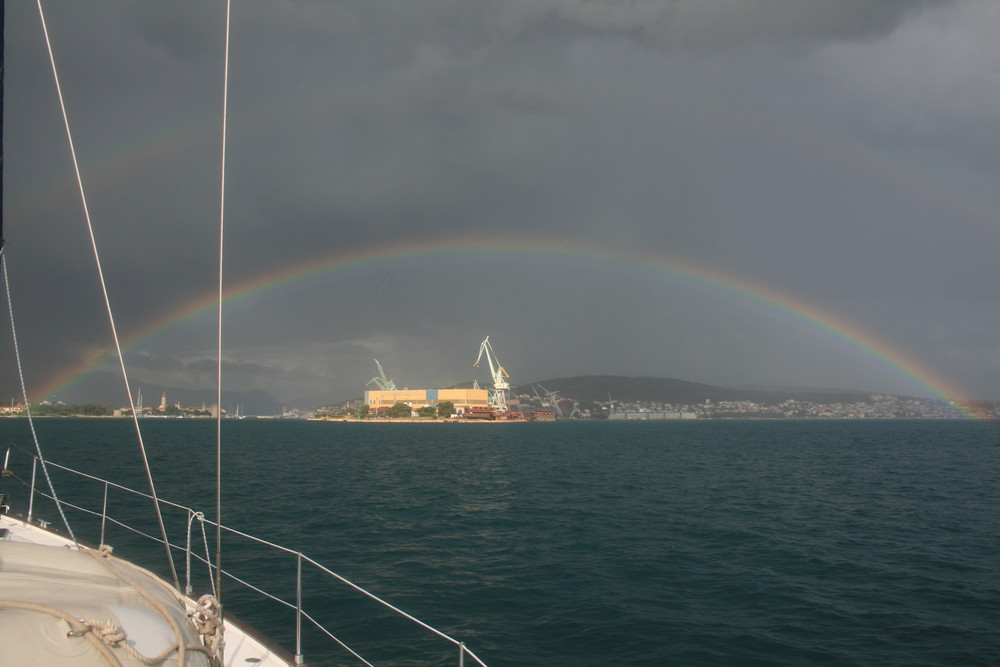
{"x":712,"y":543}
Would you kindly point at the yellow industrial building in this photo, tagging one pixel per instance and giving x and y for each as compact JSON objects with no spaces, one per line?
{"x":417,"y":398}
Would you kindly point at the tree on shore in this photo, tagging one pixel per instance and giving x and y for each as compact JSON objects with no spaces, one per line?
{"x":63,"y":410}
{"x":399,"y":411}
{"x":445,"y":409}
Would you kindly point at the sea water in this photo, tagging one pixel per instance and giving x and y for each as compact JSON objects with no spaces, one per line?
{"x":588,"y":543}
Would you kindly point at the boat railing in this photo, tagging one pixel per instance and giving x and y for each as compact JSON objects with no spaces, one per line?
{"x":188,"y":550}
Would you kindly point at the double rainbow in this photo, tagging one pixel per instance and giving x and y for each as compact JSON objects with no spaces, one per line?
{"x":821,"y":322}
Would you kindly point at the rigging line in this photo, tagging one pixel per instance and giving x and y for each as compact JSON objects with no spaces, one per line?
{"x":218,"y":394}
{"x":107,"y":300}
{"x":27,"y":405}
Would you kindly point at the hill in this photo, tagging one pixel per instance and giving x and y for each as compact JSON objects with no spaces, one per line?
{"x":597,"y":388}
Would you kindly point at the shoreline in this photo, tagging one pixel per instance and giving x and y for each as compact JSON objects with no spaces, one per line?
{"x":416,"y":420}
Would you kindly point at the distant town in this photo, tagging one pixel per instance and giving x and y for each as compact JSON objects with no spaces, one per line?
{"x":878,"y":406}
{"x":551,"y":406}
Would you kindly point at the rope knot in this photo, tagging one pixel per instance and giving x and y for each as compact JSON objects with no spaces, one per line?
{"x":114,"y":637}
{"x":108,"y":633}
{"x":206,"y":616}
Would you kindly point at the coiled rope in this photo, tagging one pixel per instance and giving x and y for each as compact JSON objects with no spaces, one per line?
{"x":106,"y":635}
{"x":102,"y":635}
{"x":213,"y":639}
{"x":111,"y":635}
{"x":78,"y":628}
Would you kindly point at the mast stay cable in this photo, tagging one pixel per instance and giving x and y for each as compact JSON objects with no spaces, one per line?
{"x":107,"y":300}
{"x":218,"y":411}
{"x":10,"y":303}
{"x":27,"y":405}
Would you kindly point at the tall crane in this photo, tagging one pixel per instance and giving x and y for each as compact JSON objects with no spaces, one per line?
{"x":384,"y":383}
{"x":553,"y":398}
{"x":498,"y":397}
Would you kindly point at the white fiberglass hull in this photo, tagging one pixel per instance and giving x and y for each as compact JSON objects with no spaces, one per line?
{"x":62,"y":605}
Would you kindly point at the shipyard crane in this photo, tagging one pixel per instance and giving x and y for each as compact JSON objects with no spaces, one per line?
{"x":541,"y":401}
{"x":384,"y":383}
{"x":553,"y":398}
{"x":498,"y":397}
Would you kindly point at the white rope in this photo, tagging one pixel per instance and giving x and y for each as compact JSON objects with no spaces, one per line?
{"x":78,"y":627}
{"x":187,"y":556}
{"x":200,"y":517}
{"x":104,"y":289}
{"x":27,"y":405}
{"x":208,"y":557}
{"x":207,"y":616}
{"x":103,"y":556}
{"x":113,"y":636}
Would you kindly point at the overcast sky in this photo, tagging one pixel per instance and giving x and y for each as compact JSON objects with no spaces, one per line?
{"x":839,"y":155}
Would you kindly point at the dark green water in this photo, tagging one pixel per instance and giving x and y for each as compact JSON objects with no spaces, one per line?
{"x":708,"y":543}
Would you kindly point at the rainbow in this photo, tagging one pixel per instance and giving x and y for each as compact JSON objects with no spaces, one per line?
{"x":114,"y":167}
{"x":819,"y":321}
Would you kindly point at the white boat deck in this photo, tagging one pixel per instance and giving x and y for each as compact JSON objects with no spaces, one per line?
{"x":243,"y":645}
{"x":24,"y":578}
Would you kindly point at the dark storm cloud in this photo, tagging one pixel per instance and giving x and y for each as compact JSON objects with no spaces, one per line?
{"x":148,"y":361}
{"x":241,"y":367}
{"x":448,"y":102}
{"x":154,"y":362}
{"x":714,"y":24}
{"x":843,"y":152}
